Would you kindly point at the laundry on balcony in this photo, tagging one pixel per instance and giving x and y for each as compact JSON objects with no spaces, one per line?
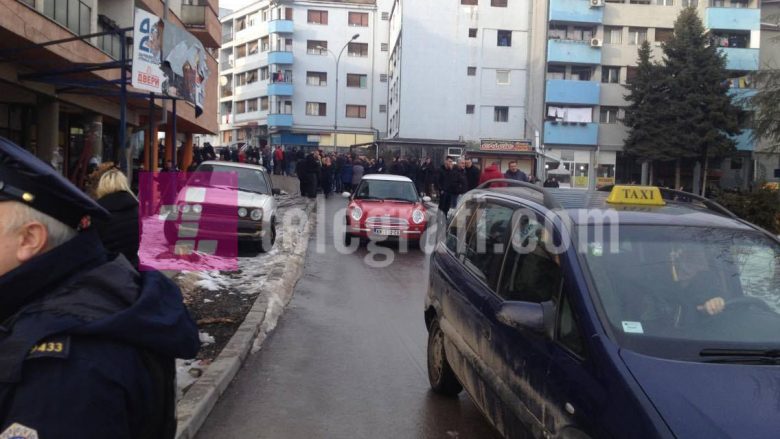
{"x":570,"y":114}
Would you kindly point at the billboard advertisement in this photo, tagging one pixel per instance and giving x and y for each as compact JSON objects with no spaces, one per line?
{"x":168,"y":60}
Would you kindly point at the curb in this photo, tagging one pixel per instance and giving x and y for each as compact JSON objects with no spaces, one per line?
{"x":193,"y":409}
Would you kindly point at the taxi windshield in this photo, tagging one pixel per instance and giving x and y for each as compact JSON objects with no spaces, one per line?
{"x":674,"y":291}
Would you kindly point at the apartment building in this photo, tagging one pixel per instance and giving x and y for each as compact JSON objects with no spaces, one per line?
{"x":54,"y":110}
{"x":581,"y":64}
{"x":295,"y":73}
{"x":458,"y":71}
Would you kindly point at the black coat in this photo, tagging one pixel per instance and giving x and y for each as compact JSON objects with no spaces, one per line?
{"x":87,"y":345}
{"x":453,"y":181}
{"x":472,"y":175}
{"x":121,"y":233}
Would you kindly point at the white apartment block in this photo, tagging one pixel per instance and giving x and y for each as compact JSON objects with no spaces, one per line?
{"x":278,"y":73}
{"x":458,"y":69}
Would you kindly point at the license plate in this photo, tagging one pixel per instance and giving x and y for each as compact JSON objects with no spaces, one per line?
{"x":387,"y":232}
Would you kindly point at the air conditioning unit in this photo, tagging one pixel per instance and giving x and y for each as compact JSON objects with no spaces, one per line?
{"x":595,"y":42}
{"x":596,"y":3}
{"x":454,"y":152}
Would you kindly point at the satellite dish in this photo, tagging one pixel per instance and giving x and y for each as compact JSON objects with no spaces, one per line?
{"x":223,"y":80}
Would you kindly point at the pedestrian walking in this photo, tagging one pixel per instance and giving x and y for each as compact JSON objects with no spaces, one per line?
{"x":122,"y":233}
{"x":87,"y":342}
{"x":513,"y":173}
{"x":326,"y":176}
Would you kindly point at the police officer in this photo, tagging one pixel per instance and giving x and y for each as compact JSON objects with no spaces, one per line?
{"x":87,"y":343}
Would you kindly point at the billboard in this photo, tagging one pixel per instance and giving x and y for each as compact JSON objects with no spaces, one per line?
{"x":168,"y":60}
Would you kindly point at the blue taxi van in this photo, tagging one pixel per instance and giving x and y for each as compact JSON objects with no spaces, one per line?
{"x":631,"y":312}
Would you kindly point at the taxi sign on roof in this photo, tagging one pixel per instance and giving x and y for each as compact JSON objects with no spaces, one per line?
{"x":643,"y":195}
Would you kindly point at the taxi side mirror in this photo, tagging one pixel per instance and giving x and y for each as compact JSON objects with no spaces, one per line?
{"x":530,"y":316}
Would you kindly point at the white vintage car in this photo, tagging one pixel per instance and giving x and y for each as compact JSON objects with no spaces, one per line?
{"x":245,"y":208}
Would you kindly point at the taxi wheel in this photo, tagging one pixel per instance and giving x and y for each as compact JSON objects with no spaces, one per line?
{"x":440,"y":375}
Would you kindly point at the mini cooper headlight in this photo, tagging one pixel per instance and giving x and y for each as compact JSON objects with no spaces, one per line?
{"x":357,"y":213}
{"x":418,"y":216}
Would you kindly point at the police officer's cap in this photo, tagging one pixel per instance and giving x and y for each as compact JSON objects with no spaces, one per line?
{"x":28,"y":180}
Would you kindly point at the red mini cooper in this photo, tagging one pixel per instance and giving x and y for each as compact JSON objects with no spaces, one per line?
{"x":385,"y":207}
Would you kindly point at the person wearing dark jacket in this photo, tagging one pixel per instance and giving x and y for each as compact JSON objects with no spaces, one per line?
{"x":326,"y":176}
{"x":472,"y":174}
{"x":310,"y":179}
{"x":88,"y":344}
{"x":513,"y":173}
{"x":121,"y":234}
{"x":452,"y":183}
{"x":551,"y":182}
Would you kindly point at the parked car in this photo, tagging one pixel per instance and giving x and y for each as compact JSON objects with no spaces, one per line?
{"x":662,"y":321}
{"x":385,"y":207}
{"x":251,"y":200}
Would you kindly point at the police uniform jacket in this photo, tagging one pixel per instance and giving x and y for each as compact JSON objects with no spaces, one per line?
{"x":87,"y":346}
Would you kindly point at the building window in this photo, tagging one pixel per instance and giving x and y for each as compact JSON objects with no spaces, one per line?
{"x":581,"y":73}
{"x":502,"y":77}
{"x":664,"y":35}
{"x":240,"y":107}
{"x":468,"y":2}
{"x":356,"y":80}
{"x":498,"y":3}
{"x":264,"y":103}
{"x":264,"y":46}
{"x":316,"y":109}
{"x":383,"y":47}
{"x":471,"y":71}
{"x":251,"y":47}
{"x":578,"y":33}
{"x":240,"y":51}
{"x":504,"y":38}
{"x":637,"y":35}
{"x":240,"y":24}
{"x":251,"y":105}
{"x":383,"y":108}
{"x":383,"y":77}
{"x":264,"y":73}
{"x":613,"y":35}
{"x":240,"y":79}
{"x":316,"y":47}
{"x":317,"y":17}
{"x":317,"y":78}
{"x":470,"y":109}
{"x":556,"y":72}
{"x":356,"y":111}
{"x":264,"y":14}
{"x":357,"y":49}
{"x":472,"y":32}
{"x":639,"y":2}
{"x":501,"y":114}
{"x":631,"y":72}
{"x":610,"y":75}
{"x":385,"y":15}
{"x":609,"y":115}
{"x":688,"y":3}
{"x":665,"y":2}
{"x":557,"y":32}
{"x":358,"y":19}
{"x":251,"y":76}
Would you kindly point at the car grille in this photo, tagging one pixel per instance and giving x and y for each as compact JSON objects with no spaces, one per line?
{"x":387,"y":222}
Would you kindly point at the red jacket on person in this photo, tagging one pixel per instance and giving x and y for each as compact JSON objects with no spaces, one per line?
{"x":491,"y":173}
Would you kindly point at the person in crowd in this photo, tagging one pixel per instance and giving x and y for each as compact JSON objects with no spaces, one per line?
{"x":326,"y":176}
{"x":208,"y":152}
{"x":472,"y":174}
{"x":122,"y":233}
{"x":551,"y":181}
{"x":279,"y":160}
{"x":428,"y":177}
{"x":513,"y":173}
{"x":309,"y":174}
{"x":381,"y":168}
{"x":358,"y":170}
{"x":491,"y":172}
{"x":346,"y":175}
{"x":412,"y":167}
{"x":452,"y":183}
{"x":88,"y":343}
{"x":396,"y":167}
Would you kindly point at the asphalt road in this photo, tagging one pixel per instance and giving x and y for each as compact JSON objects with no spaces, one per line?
{"x":347,"y":359}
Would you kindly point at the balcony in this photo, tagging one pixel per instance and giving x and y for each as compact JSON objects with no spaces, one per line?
{"x":280,"y":89}
{"x":575,"y":11}
{"x":280,"y":57}
{"x":280,"y":27}
{"x":573,"y":52}
{"x":280,"y":120}
{"x":564,"y":91}
{"x":744,"y":140}
{"x":571,"y":133}
{"x":202,"y":22}
{"x":733,"y":18}
{"x":740,"y":59}
{"x":193,"y":15}
{"x":741,"y":96}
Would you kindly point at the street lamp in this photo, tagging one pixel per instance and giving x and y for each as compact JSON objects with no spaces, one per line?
{"x":336,"y":104}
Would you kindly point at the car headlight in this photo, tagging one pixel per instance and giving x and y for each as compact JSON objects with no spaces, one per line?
{"x":184,"y":208}
{"x":197,"y":208}
{"x":418,"y":216}
{"x":256,"y":215}
{"x":242,"y":212}
{"x":357,"y":213}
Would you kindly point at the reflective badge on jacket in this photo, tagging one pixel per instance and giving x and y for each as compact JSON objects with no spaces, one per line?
{"x":19,"y":431}
{"x":52,"y":347}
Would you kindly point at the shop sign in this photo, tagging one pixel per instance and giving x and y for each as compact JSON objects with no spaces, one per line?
{"x":605,"y":181}
{"x":507,"y":146}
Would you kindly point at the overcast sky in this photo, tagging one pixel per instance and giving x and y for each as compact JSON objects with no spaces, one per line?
{"x":234,"y":4}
